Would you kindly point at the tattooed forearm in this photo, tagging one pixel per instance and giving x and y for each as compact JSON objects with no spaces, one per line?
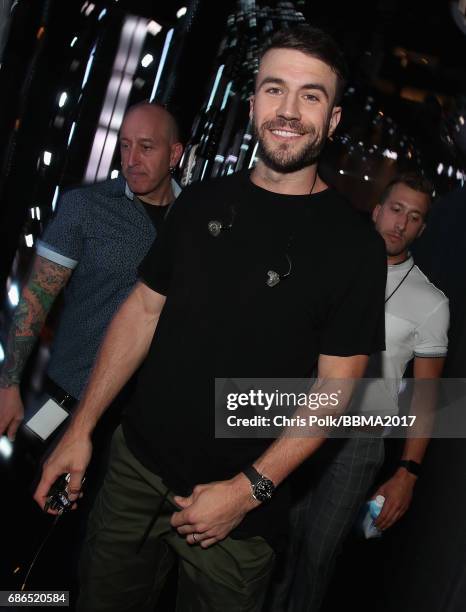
{"x":47,"y":280}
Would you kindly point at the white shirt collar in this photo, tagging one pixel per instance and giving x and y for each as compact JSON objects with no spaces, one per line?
{"x":175,"y":188}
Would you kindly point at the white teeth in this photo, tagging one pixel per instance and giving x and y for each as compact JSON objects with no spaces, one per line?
{"x":285,"y":133}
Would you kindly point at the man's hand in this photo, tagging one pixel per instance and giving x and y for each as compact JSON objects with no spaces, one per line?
{"x":213,"y":510}
{"x":11,"y":411}
{"x":398,"y":493}
{"x":72,"y":455}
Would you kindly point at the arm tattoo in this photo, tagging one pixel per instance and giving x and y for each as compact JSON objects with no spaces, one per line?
{"x":46,"y":281}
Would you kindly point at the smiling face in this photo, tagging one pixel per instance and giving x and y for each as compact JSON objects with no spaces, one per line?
{"x":401,"y":219}
{"x":148,"y":148}
{"x":293,"y":109}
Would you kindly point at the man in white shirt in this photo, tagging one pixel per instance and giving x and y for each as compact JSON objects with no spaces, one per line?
{"x":339,"y":479}
{"x":416,"y":323}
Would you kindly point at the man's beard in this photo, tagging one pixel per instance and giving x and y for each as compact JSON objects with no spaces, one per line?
{"x":281,"y":159}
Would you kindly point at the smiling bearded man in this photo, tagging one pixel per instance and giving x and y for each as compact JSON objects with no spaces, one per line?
{"x":251,"y":278}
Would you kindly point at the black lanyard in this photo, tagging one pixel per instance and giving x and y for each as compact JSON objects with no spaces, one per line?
{"x":399,"y":284}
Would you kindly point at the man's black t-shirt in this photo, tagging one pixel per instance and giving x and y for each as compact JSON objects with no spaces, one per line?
{"x":221,"y":319}
{"x":156,"y":214}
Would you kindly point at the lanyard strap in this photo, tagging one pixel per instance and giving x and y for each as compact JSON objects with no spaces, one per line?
{"x":399,"y":284}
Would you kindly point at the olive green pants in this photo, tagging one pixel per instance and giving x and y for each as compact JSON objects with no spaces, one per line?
{"x":130,"y":547}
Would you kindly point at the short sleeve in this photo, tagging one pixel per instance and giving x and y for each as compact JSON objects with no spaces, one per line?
{"x":62,"y":239}
{"x":156,"y":268}
{"x":356,"y":323}
{"x":431,"y":338}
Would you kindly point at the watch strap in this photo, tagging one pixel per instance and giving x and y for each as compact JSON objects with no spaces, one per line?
{"x":252,"y":474}
{"x":412,"y":466}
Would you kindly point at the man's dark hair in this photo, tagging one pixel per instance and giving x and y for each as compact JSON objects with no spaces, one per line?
{"x":414,"y":180}
{"x":315,"y":43}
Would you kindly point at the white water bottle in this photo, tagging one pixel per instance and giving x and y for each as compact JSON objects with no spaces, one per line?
{"x":373,"y":509}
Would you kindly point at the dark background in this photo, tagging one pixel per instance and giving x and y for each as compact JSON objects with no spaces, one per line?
{"x":406,"y":97}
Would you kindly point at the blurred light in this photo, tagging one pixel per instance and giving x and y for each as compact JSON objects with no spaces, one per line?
{"x":38,"y":213}
{"x":459,"y":175}
{"x":62,"y":100}
{"x":33,"y":213}
{"x":253,"y":156}
{"x":102,"y":14}
{"x":73,"y":125}
{"x":47,"y":158}
{"x":366,"y":178}
{"x":40,"y":32}
{"x":114,"y":174}
{"x":84,"y":6}
{"x":13,"y":295}
{"x":180,"y":12}
{"x":390,"y":154}
{"x":461,"y":119}
{"x":342,"y":171}
{"x":450,"y":170}
{"x":147,"y":60}
{"x":74,"y":41}
{"x":88,"y":67}
{"x":6,"y":447}
{"x":2,"y":353}
{"x":29,"y":238}
{"x":55,"y":197}
{"x":214,"y":88}
{"x":161,"y":63}
{"x":153,"y":28}
{"x":205,"y":168}
{"x":440,"y":168}
{"x":227,"y":93}
{"x":89,"y":9}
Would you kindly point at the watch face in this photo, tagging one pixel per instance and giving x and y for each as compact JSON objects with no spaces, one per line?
{"x":263,"y":489}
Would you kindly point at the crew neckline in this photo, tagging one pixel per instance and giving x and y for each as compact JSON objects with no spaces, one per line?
{"x":303,"y":198}
{"x":403,"y":265}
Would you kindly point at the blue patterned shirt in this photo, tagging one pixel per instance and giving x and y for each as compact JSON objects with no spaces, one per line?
{"x":102,"y":233}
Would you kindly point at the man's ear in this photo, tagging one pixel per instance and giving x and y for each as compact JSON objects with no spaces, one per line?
{"x":251,"y":107}
{"x":375,"y":212}
{"x":334,"y":120}
{"x":175,"y":154}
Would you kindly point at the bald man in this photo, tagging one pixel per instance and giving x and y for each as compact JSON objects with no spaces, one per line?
{"x":93,"y":247}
